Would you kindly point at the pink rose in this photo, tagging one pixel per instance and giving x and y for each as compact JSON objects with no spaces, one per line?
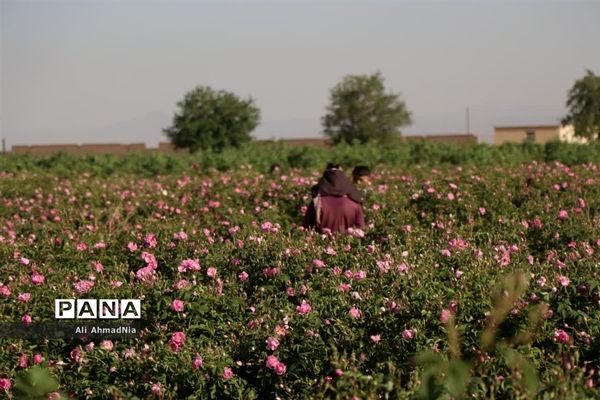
{"x":211,"y":272}
{"x":23,"y":361}
{"x":177,"y":340}
{"x":180,"y":236}
{"x":146,"y":274}
{"x":541,"y":281}
{"x":107,"y":345}
{"x":38,"y":358}
{"x":227,"y":373}
{"x":304,"y":308}
{"x":272,"y":343}
{"x":129,"y":353}
{"x":5,"y":384}
{"x":81,"y":247}
{"x":156,"y":390}
{"x":75,"y":355}
{"x":271,"y":362}
{"x":177,"y":305}
{"x":589,"y":383}
{"x":355,"y":313}
{"x":83,"y":286}
{"x":198,"y":362}
{"x":402,"y":268}
{"x":243,"y":276}
{"x":178,"y":337}
{"x":563,"y":280}
{"x":280,"y":368}
{"x":345,"y":287}
{"x":445,"y":316}
{"x":26,"y":320}
{"x":359,"y":275}
{"x":24,"y":297}
{"x":181,"y":284}
{"x":37,"y":278}
{"x":270,"y":272}
{"x":189,"y":265}
{"x":560,"y":336}
{"x":150,"y":240}
{"x":132,"y":247}
{"x":4,"y":291}
{"x":408,"y":334}
{"x":149,"y":259}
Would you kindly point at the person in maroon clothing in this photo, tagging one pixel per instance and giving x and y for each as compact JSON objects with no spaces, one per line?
{"x":336,"y":204}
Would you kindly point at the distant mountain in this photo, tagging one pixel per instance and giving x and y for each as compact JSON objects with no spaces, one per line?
{"x":289,"y":128}
{"x":145,"y":128}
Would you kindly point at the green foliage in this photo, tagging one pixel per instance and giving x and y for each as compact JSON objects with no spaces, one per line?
{"x":260,"y":156}
{"x":35,"y":384}
{"x":360,"y":110}
{"x":215,"y":120}
{"x":442,"y":376}
{"x":584,"y":106}
{"x":65,"y":214}
{"x":453,"y":376}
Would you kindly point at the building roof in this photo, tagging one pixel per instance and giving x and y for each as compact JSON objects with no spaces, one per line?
{"x":528,"y":126}
{"x":452,"y":134}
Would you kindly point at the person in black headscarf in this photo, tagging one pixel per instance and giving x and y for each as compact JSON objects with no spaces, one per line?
{"x":336,"y":204}
{"x":334,"y":182}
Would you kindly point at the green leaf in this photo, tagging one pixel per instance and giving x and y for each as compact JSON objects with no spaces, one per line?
{"x":530,"y":378}
{"x":458,"y":377}
{"x":35,"y":383}
{"x":429,"y":358}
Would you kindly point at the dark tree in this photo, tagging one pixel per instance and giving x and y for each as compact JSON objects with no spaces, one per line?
{"x":584,"y":107}
{"x":360,"y":109}
{"x":209,"y":119}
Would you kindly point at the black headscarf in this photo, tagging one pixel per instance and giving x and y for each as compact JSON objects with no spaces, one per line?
{"x":335,"y":183}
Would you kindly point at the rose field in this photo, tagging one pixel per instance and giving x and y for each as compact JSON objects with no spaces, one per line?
{"x":475,"y":280}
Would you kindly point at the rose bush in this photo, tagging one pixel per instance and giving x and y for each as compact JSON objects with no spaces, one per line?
{"x":239,"y":302}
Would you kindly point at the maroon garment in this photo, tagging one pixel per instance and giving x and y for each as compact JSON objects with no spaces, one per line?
{"x":337,"y":215}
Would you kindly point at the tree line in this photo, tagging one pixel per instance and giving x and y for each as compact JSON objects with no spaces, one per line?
{"x":360,"y":110}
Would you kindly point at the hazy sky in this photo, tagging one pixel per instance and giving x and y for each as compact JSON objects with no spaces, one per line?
{"x":113,"y":71}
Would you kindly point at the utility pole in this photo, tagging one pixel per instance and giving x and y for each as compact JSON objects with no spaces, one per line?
{"x":468,"y":121}
{"x":3,"y":146}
